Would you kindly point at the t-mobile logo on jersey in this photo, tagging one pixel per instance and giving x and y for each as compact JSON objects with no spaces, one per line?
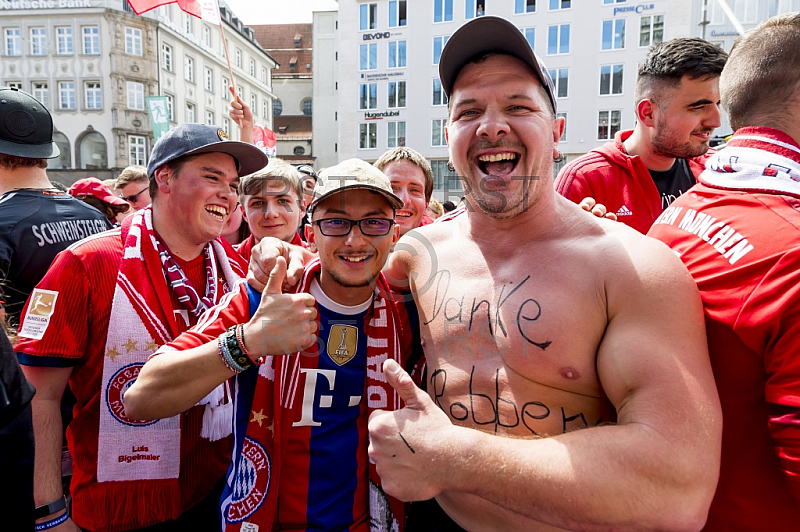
{"x":310,"y":399}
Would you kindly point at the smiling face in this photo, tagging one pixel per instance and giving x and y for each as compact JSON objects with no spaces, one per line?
{"x":408,"y":183}
{"x":194,"y":204}
{"x":502,"y":135}
{"x":274,"y":212}
{"x":687,"y":119}
{"x":350,"y":263}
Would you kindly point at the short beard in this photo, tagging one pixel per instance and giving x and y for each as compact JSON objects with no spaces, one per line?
{"x":668,"y":148}
{"x":349,"y":284}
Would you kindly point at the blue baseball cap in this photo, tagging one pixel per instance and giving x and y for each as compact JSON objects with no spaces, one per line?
{"x":194,"y":139}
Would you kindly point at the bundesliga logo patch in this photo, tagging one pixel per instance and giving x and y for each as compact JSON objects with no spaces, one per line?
{"x":40,"y":310}
{"x":251,"y":482}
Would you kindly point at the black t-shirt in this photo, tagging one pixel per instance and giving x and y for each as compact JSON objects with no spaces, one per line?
{"x":35,"y":225}
{"x":674,"y":182}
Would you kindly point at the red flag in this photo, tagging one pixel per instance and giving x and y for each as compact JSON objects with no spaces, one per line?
{"x":204,"y":9}
{"x":264,"y":138}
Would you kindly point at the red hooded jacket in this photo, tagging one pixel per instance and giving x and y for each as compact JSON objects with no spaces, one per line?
{"x":619,"y":181}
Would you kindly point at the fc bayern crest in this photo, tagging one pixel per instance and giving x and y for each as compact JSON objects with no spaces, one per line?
{"x":251,"y":482}
{"x":117,"y":387}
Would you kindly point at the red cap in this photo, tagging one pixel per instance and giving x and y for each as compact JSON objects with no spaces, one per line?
{"x":91,"y":186}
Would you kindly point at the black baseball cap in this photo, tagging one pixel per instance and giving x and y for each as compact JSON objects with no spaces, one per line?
{"x":26,"y":127}
{"x":489,"y":34}
{"x":194,"y":139}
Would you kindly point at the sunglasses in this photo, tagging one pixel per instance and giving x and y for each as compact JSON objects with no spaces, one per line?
{"x":132,"y":197}
{"x":343,"y":226}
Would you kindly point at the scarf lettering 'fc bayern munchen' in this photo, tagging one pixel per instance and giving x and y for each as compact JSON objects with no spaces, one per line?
{"x":142,"y":319}
{"x":251,"y":494}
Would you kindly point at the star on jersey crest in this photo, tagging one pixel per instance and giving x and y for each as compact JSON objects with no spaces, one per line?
{"x":130,"y":345}
{"x":258,"y":417}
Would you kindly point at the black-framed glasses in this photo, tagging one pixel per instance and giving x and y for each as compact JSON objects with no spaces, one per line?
{"x":343,"y":226}
{"x":132,"y":197}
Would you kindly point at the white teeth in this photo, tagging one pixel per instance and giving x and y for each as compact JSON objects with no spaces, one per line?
{"x":497,"y":157}
{"x":361,"y":258}
{"x":216,"y":211}
{"x":403,"y":214}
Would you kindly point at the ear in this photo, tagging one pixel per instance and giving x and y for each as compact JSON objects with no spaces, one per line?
{"x":162,"y":176}
{"x":309,"y":231}
{"x":558,"y":129}
{"x":646,"y":111}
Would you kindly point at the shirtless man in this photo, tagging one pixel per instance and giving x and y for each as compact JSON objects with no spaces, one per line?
{"x":588,"y":325}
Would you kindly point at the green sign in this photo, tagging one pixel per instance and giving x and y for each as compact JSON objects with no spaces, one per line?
{"x":159,"y":115}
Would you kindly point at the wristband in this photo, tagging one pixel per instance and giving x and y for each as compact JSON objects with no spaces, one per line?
{"x":47,"y":525}
{"x":51,"y":508}
{"x":241,"y":360}
{"x":240,"y":338}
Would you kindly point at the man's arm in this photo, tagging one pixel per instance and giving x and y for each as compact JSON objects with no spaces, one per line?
{"x":656,"y":468}
{"x":241,"y":114}
{"x":174,"y":381}
{"x":47,"y":429}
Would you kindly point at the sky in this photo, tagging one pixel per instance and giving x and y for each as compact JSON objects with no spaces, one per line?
{"x":278,"y":11}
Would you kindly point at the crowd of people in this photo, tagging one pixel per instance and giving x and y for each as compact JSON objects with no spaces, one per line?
{"x":251,"y":345}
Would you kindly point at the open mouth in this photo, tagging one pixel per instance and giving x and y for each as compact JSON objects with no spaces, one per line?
{"x":217,"y":212}
{"x":355,"y":259}
{"x":499,"y":164}
{"x":402,"y":213}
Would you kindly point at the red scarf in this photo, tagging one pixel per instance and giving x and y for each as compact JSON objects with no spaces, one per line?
{"x":253,"y":482}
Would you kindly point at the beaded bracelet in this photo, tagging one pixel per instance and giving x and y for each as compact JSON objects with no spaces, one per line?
{"x":235,"y":350}
{"x":240,"y":338}
{"x":229,"y":357}
{"x":47,"y":525}
{"x":222,"y":355}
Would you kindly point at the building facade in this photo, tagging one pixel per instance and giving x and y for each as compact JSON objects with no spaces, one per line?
{"x":93,"y":63}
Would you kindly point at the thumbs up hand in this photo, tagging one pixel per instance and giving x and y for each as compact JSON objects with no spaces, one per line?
{"x":410,"y":446}
{"x":283,"y":323}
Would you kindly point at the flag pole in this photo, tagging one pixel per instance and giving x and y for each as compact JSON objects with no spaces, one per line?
{"x":227,"y":56}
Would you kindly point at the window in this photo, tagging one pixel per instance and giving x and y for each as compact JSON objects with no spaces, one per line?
{"x":305,"y":105}
{"x":207,"y":36}
{"x":224,"y":89}
{"x":613,"y":34}
{"x":564,"y":134}
{"x":265,"y":107}
{"x":93,"y":96}
{"x":368,"y":96}
{"x":614,"y":1}
{"x":474,"y":8}
{"x":367,"y":17}
{"x":91,"y":40}
{"x":299,"y":150}
{"x":209,"y":118}
{"x":252,"y":67}
{"x":444,"y":179}
{"x":136,"y":150}
{"x":254,"y":103}
{"x":14,"y":85}
{"x":524,"y":6}
{"x":437,"y":132}
{"x":188,"y":68}
{"x":170,"y":107}
{"x":264,"y":75}
{"x":397,"y":94}
{"x":368,"y":136}
{"x":133,"y":41}
{"x":135,"y":95}
{"x":439,"y":97}
{"x":560,"y":4}
{"x":558,"y":39}
{"x":608,"y":124}
{"x":226,"y":126}
{"x":442,"y":10}
{"x":651,"y":30}
{"x":438,"y":44}
{"x":530,"y":36}
{"x":397,"y":13}
{"x":611,"y":79}
{"x":397,"y":54}
{"x":166,"y":57}
{"x":277,"y":107}
{"x":66,"y":95}
{"x":745,"y":10}
{"x":368,"y":56}
{"x":560,"y":77}
{"x":188,"y":24}
{"x":41,"y":93}
{"x":238,"y":58}
{"x":209,"y":79}
{"x":64,"y":40}
{"x":63,"y":161}
{"x":396,"y":134}
{"x":38,"y":41}
{"x":91,"y":151}
{"x":13,"y":42}
{"x":191,"y":113}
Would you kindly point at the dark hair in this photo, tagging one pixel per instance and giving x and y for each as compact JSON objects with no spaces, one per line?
{"x":668,"y":62}
{"x":12,"y":162}
{"x":109,"y":210}
{"x":760,"y":83}
{"x":448,"y":206}
{"x":175,"y":166}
